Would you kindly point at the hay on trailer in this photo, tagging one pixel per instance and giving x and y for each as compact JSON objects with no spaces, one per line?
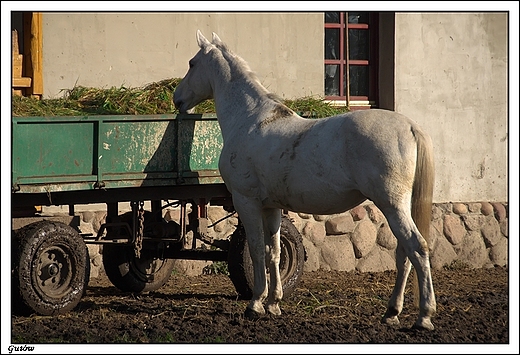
{"x":154,"y":98}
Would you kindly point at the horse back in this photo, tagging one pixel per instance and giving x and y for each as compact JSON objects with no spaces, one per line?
{"x":335,"y":160}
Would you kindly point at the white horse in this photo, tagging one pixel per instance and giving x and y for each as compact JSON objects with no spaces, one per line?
{"x":273,"y":159}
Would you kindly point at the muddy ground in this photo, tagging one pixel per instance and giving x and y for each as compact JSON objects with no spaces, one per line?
{"x":328,"y":307}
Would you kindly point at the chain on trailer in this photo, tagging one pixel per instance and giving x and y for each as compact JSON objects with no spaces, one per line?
{"x":139,"y":231}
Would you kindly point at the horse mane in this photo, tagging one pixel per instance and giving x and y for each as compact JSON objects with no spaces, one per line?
{"x":243,"y":67}
{"x":275,"y":97}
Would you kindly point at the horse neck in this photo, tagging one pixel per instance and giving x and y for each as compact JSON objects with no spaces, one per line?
{"x":242,"y":98}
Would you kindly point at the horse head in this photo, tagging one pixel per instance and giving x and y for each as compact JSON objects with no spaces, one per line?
{"x":197,"y":85}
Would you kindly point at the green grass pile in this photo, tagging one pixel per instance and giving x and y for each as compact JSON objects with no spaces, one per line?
{"x":154,"y":98}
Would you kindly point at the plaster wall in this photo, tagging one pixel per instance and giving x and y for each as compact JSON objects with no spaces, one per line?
{"x":134,"y":49}
{"x":451,"y":77}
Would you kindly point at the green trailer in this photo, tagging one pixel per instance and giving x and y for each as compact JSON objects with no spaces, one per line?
{"x":160,"y":159}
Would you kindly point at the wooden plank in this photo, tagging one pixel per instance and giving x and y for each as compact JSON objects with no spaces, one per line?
{"x":18,"y":82}
{"x":33,"y":49}
{"x":17,"y":65}
{"x":17,"y":57}
{"x":22,"y":82}
{"x":36,"y":53}
{"x":14,"y":39}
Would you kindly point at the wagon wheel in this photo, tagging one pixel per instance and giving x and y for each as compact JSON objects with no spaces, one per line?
{"x":131,"y":274}
{"x":292,"y":259}
{"x":50,"y":268}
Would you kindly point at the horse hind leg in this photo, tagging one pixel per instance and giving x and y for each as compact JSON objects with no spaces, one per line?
{"x":416,"y":250}
{"x":395,"y":304}
{"x":272,"y":221}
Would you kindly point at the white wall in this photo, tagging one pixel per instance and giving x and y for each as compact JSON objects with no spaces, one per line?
{"x":134,"y":49}
{"x":451,"y":77}
{"x":450,"y":72}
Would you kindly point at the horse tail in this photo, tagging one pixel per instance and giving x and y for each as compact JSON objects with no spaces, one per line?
{"x":422,"y":191}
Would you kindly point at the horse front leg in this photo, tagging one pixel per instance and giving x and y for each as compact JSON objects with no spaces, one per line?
{"x":272,"y":220}
{"x":250,"y":214}
{"x":255,"y":240}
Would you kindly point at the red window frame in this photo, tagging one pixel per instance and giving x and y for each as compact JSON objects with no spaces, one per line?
{"x":345,"y":63}
{"x":341,"y":61}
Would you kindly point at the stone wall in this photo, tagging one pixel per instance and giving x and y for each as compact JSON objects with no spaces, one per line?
{"x":475,"y":234}
{"x":360,"y":239}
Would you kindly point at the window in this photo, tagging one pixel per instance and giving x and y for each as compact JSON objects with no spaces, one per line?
{"x":351,"y":44}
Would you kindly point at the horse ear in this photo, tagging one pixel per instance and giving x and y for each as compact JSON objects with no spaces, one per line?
{"x":202,"y":41}
{"x":216,"y":40}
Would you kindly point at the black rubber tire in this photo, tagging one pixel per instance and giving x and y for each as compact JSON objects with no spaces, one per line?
{"x":292,"y":260}
{"x":50,"y":268}
{"x":131,"y":274}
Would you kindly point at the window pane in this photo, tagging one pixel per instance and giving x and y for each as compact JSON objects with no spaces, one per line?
{"x":331,"y":17}
{"x":358,"y":80}
{"x":331,"y":80}
{"x":358,"y":44}
{"x":358,"y":17}
{"x":332,"y":43}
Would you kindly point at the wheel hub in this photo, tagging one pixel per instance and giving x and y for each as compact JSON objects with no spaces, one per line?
{"x":53,"y":269}
{"x":53,"y":272}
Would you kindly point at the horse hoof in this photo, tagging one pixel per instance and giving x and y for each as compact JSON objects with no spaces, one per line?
{"x":423,"y":324}
{"x":274,"y":310}
{"x":393,"y":321}
{"x":251,"y":314}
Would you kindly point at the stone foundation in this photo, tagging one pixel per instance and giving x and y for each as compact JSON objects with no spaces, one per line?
{"x":474,"y":233}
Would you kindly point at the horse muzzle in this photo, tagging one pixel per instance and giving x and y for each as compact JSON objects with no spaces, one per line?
{"x":179,"y":106}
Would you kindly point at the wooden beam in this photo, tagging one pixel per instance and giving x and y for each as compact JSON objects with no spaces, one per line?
{"x":33,"y":44}
{"x":36,"y":53}
{"x":22,"y":82}
{"x":18,"y":82}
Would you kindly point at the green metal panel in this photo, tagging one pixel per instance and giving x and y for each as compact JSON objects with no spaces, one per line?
{"x":57,"y":150}
{"x":200,"y":145}
{"x":80,"y":153}
{"x":134,"y":150}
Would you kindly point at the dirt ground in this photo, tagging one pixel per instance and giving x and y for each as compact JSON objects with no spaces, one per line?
{"x":328,"y":307}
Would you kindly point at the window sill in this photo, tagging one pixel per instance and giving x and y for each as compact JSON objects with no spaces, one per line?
{"x":337,"y":103}
{"x":360,"y":105}
{"x":353,"y":105}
